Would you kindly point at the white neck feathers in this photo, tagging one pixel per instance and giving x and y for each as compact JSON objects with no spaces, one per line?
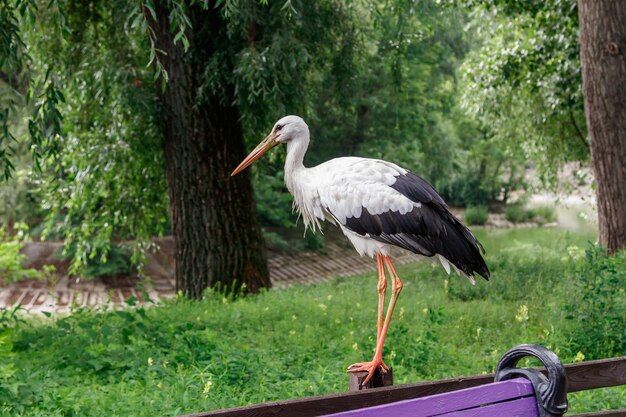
{"x":305,"y":196}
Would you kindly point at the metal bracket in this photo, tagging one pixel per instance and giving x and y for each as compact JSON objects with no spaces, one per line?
{"x":550,"y":391}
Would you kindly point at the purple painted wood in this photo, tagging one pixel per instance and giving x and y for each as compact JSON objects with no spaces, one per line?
{"x":448,"y":402}
{"x":522,"y":407}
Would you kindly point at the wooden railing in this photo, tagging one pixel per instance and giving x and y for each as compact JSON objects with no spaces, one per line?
{"x":580,"y":377}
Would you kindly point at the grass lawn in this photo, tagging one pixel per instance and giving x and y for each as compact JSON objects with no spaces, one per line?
{"x":186,"y":356}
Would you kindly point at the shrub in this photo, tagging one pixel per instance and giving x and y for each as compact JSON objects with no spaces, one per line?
{"x":543,"y":214}
{"x":465,"y":191}
{"x":598,"y":306}
{"x":477,"y":215}
{"x":313,"y":241}
{"x":11,"y":259}
{"x":516,"y":213}
{"x":484,"y":184}
{"x":117,"y":261}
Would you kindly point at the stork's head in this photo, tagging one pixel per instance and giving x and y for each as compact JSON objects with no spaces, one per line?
{"x":285,"y":130}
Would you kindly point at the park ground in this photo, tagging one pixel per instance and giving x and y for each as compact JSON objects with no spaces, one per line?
{"x":549,"y":286}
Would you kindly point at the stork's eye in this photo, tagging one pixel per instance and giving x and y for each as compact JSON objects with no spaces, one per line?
{"x":278,"y":127}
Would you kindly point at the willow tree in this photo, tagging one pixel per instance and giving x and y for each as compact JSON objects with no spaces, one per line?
{"x":106,"y":131}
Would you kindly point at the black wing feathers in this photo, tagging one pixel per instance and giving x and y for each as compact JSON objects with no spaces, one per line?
{"x":417,"y":189}
{"x":427,"y":230}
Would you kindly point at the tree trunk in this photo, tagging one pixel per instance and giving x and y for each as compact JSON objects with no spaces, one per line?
{"x":602,"y":53}
{"x":219,"y":242}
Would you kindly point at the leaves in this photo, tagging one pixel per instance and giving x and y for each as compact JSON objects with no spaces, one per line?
{"x":45,"y":123}
{"x":13,"y":58}
{"x":11,"y":259}
{"x":94,"y":133}
{"x":523,"y":84}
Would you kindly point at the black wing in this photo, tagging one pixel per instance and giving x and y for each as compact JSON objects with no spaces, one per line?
{"x":426,"y":230}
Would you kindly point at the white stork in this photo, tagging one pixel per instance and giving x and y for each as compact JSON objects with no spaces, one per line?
{"x":377,"y":205}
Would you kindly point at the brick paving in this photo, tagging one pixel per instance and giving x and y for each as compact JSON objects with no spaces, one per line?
{"x":336,"y":259}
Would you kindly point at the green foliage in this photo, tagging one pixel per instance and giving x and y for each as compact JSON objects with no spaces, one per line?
{"x":189,"y":356}
{"x":12,"y":57}
{"x":598,"y":303}
{"x":275,"y":241}
{"x":115,"y":261}
{"x":20,"y":194}
{"x":485,"y":174}
{"x":20,"y":200}
{"x":280,"y":52}
{"x":274,"y":203}
{"x":527,"y":263}
{"x":543,"y":214}
{"x":294,"y":240}
{"x":517,"y":213}
{"x":38,"y":86}
{"x":465,"y":191}
{"x":400,"y":102}
{"x":107,"y":184}
{"x":11,"y":259}
{"x":476,"y":215}
{"x":459,"y":290}
{"x":313,"y":241}
{"x":416,"y":121}
{"x":523,"y":82}
{"x":8,"y":320}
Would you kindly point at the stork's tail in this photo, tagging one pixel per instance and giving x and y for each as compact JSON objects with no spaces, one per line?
{"x":464,"y":251}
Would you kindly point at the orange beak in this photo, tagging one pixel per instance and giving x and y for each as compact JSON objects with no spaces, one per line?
{"x":265,"y":145}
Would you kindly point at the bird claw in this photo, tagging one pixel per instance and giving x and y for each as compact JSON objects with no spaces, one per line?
{"x":370,"y":368}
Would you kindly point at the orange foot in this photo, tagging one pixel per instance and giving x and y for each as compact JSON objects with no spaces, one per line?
{"x":369,"y":367}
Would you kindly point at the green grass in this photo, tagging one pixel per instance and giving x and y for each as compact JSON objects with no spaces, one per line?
{"x":192,"y":356}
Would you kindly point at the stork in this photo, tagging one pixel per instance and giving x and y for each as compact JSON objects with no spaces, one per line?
{"x":377,"y":205}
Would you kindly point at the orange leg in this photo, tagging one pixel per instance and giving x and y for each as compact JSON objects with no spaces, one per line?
{"x":396,"y":288}
{"x":382,"y":289}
